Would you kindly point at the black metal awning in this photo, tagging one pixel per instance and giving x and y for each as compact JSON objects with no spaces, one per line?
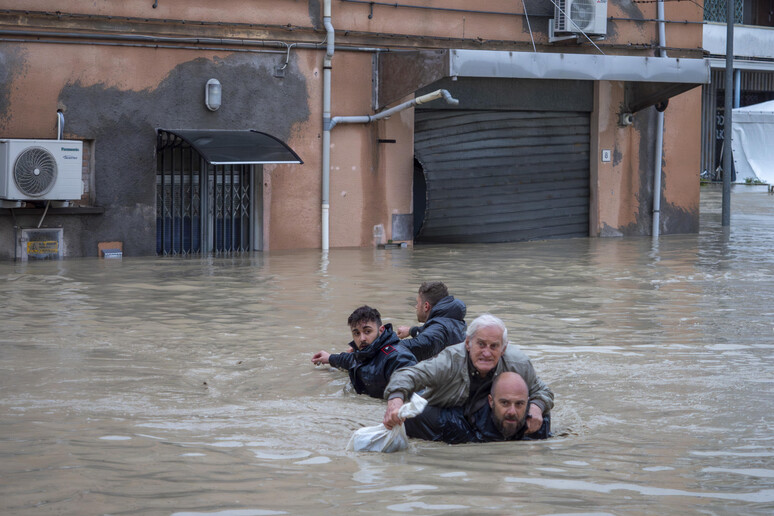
{"x":228,"y":147}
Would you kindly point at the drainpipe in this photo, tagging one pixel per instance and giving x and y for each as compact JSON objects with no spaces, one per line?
{"x":330,"y":123}
{"x":59,"y":125}
{"x":365,"y":119}
{"x":326,"y":137}
{"x":659,"y":130}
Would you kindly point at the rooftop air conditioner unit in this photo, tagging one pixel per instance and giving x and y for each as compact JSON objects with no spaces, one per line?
{"x":580,"y":16}
{"x":40,"y":170}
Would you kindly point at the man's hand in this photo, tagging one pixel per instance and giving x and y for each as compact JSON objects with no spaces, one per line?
{"x":391,"y":418}
{"x":321,"y":357}
{"x":535,"y":419}
{"x":403,"y":332}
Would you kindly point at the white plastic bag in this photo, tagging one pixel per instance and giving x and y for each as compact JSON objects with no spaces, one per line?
{"x":379,"y":439}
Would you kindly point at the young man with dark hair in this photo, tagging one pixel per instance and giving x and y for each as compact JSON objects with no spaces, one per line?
{"x":376,"y":353}
{"x":443,"y":318}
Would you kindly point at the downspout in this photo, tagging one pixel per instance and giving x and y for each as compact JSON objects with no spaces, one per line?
{"x":365,"y":119}
{"x":326,"y":136}
{"x":59,"y":125}
{"x":659,"y":130}
{"x":329,"y":123}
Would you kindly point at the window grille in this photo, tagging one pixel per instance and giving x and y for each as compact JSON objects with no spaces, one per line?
{"x":181,"y":228}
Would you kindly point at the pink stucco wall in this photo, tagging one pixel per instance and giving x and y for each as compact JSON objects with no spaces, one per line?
{"x":369,"y":181}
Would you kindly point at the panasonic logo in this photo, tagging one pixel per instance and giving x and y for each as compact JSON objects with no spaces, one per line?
{"x":69,"y":149}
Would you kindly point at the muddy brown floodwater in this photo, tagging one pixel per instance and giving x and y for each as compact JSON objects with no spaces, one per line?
{"x":184,"y":386}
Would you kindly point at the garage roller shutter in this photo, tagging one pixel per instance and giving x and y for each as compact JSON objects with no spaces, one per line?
{"x":502,"y":176}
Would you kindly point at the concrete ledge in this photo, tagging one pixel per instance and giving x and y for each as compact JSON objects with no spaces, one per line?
{"x":72,"y":210}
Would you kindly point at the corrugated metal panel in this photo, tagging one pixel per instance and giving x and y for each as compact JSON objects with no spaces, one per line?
{"x":503,"y":176}
{"x":750,"y":80}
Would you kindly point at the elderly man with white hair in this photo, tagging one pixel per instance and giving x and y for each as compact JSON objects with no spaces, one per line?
{"x":462,"y":374}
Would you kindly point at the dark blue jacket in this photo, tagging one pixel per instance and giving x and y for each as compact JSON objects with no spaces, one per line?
{"x":449,"y":424}
{"x":370,"y":369}
{"x":445,"y":326}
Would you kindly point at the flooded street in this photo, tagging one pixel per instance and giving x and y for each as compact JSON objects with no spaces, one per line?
{"x":184,"y":386}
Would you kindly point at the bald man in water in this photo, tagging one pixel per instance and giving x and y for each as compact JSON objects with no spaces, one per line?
{"x":503,"y":418}
{"x":461,"y":375}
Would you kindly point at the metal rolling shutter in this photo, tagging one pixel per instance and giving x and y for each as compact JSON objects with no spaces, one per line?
{"x":503,"y":176}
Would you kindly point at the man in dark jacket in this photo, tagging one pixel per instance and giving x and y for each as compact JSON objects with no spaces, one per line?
{"x":503,"y":418}
{"x":461,"y":375}
{"x":376,"y":353}
{"x":444,"y":319}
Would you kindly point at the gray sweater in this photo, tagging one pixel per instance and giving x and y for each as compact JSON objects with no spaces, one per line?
{"x":447,"y":382}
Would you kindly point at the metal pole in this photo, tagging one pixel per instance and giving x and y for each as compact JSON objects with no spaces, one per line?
{"x":737,"y":88}
{"x":182,"y":200}
{"x":172,"y":199}
{"x":162,"y":153}
{"x":729,"y":98}
{"x":204,"y":192}
{"x":191,"y":158}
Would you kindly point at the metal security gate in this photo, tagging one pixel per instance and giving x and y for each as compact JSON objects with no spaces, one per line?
{"x":181,"y":227}
{"x":502,"y":176}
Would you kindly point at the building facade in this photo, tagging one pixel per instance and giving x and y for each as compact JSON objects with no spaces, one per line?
{"x":753,"y":72}
{"x":555,"y":132}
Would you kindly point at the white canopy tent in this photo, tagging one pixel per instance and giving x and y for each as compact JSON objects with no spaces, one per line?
{"x":752,"y":142}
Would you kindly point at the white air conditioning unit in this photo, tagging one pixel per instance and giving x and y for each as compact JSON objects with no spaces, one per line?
{"x":580,"y":16}
{"x":40,"y":170}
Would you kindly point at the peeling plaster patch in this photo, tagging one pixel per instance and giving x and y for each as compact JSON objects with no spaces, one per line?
{"x":632,"y":11}
{"x":611,"y":29}
{"x":608,"y":231}
{"x":12,"y":63}
{"x":617,"y":157}
{"x":123,"y":124}
{"x":672,"y":219}
{"x":538,"y":8}
{"x":644,"y":124}
{"x":679,"y":220}
{"x":538,"y":25}
{"x":539,"y":12}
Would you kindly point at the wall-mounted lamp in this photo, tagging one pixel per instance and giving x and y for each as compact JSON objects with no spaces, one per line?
{"x":212,"y":94}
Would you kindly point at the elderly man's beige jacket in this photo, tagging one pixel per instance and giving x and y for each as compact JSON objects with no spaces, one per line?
{"x":447,"y":380}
